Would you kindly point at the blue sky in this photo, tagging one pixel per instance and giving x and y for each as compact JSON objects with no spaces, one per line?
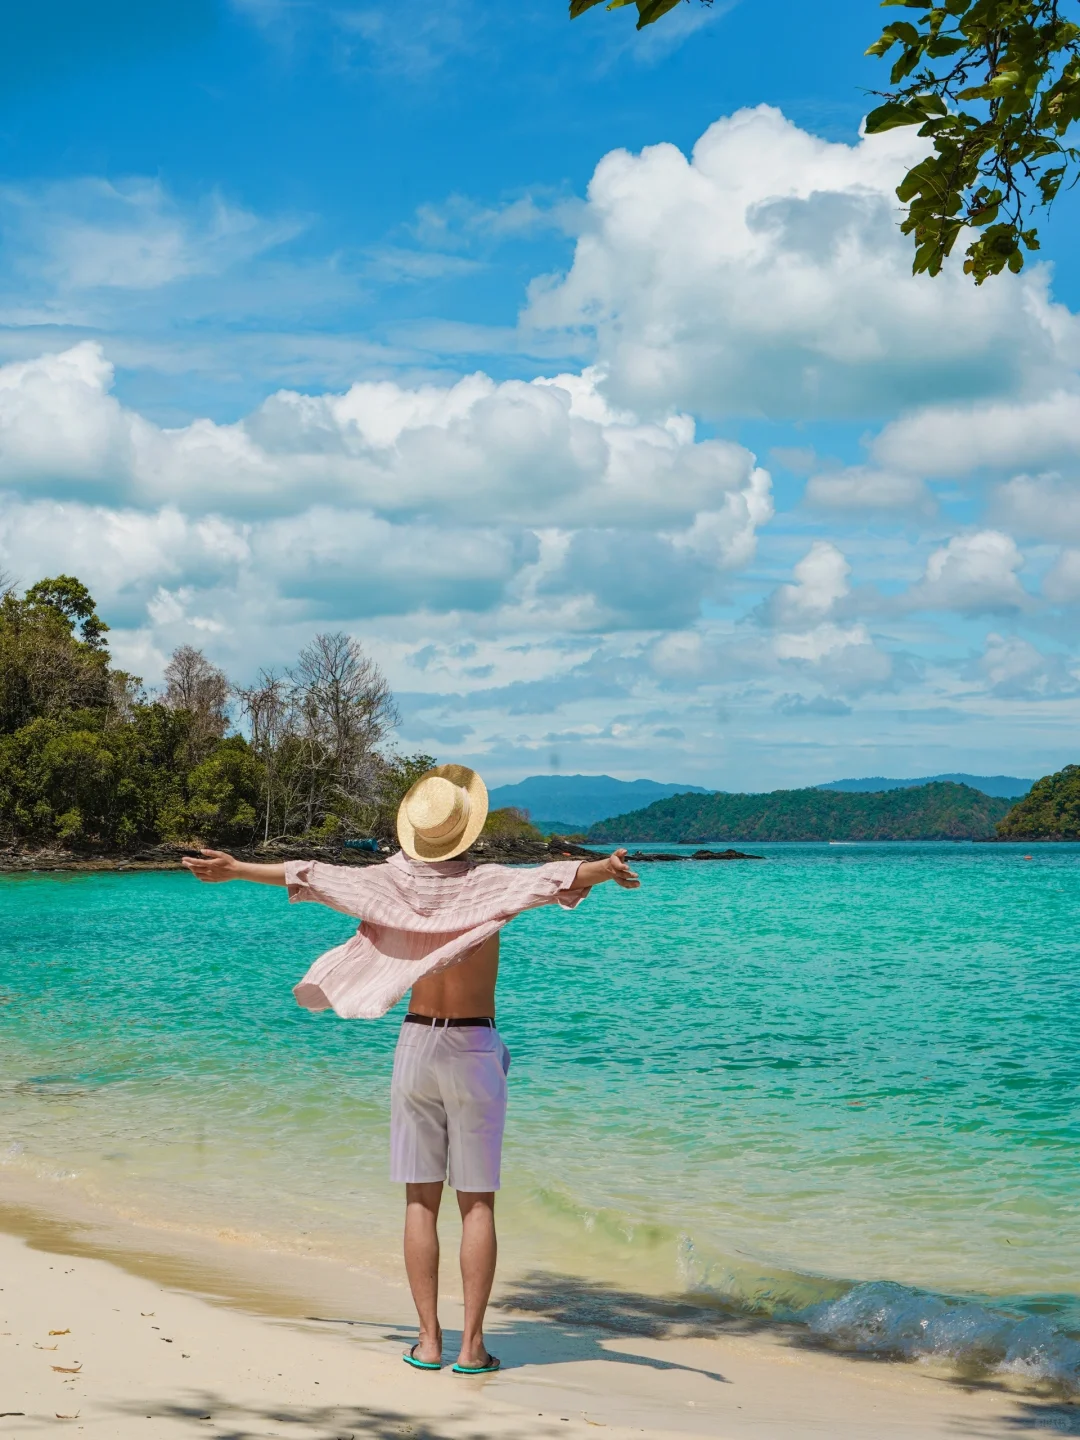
{"x":281,"y":289}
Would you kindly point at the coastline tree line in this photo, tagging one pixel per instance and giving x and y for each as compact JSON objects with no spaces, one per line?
{"x":940,"y":810}
{"x":89,"y":760}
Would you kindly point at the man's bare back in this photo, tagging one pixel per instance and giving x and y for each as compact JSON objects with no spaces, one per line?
{"x":465,"y":990}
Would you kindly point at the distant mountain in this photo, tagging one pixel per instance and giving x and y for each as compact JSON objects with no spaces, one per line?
{"x":580,"y":800}
{"x":1009,"y":787}
{"x":938,"y":811}
{"x":1050,"y":812}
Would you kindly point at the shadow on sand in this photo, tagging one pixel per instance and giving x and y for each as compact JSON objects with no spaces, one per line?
{"x":577,"y":1308}
{"x":551,"y":1319}
{"x":230,"y":1421}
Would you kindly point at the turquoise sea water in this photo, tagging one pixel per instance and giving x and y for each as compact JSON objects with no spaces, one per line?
{"x":839,"y":1085}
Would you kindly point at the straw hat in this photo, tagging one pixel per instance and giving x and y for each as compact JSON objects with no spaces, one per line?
{"x":443,"y":813}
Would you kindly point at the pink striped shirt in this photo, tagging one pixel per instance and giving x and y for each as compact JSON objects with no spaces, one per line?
{"x":416,"y":917}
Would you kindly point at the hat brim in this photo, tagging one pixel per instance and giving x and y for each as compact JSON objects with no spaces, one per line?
{"x":419,"y":849}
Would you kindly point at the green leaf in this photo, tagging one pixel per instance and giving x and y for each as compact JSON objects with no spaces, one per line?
{"x":906,"y":64}
{"x":945,"y":45}
{"x":1004,"y":81}
{"x":892,"y":115}
{"x":1050,"y":183}
{"x":578,"y":7}
{"x":905,"y":31}
{"x":651,"y":10}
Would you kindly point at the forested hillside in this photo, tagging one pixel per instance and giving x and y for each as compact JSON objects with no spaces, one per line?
{"x":89,"y":761}
{"x":1050,"y":811}
{"x":941,"y":811}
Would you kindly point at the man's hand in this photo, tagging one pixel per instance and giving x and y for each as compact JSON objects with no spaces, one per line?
{"x":595,"y":872}
{"x":620,"y":871}
{"x":216,"y":866}
{"x":219,"y":865}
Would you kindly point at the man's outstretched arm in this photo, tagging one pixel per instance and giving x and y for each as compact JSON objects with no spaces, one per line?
{"x":595,"y":872}
{"x":216,"y":865}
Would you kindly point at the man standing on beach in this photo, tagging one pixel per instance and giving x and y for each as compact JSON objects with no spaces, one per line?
{"x":430,"y":924}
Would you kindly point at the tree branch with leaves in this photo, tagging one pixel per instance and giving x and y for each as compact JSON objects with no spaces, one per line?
{"x":994,"y":85}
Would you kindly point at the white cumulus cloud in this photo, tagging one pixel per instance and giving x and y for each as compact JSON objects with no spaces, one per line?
{"x":767,"y":273}
{"x":537,"y":501}
{"x":1062,"y":584}
{"x":1013,"y":668}
{"x":1046,"y":507}
{"x":998,"y":435}
{"x":974,"y":574}
{"x":539,"y":453}
{"x":821,"y":579}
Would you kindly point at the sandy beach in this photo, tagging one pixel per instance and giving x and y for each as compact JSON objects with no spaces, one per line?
{"x":112,"y":1330}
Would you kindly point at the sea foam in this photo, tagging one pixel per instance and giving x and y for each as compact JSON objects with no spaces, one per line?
{"x":891,"y":1320}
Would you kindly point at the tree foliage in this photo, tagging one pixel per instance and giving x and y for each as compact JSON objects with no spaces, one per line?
{"x":194,"y":685}
{"x":1049,"y":811}
{"x":319,"y":730}
{"x":939,"y":811}
{"x":45,"y":668}
{"x":994,"y":86}
{"x":511,"y":823}
{"x":648,"y":10}
{"x":71,"y":599}
{"x":86,"y":760}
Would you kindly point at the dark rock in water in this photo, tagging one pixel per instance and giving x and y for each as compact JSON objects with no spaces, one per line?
{"x":664,"y":857}
{"x":524,"y":850}
{"x":488,"y":850}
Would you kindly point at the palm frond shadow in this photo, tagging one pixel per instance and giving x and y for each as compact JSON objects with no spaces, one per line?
{"x":588,"y":1304}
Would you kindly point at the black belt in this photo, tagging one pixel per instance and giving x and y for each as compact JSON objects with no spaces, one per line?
{"x":443,"y":1023}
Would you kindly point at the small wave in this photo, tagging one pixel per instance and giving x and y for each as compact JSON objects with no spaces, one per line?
{"x":892,"y":1320}
{"x":1031,"y":1337}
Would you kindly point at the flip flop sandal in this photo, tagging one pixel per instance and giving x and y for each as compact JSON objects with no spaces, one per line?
{"x":410,"y":1359}
{"x":492,"y":1365}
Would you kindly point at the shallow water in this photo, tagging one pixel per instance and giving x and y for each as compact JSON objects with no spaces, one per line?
{"x":838,"y":1085}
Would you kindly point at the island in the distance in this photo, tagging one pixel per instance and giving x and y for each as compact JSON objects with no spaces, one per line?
{"x":938,"y":811}
{"x":1050,"y":810}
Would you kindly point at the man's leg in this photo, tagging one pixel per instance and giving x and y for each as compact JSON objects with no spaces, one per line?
{"x":478,"y":1254}
{"x":422,"y":1263}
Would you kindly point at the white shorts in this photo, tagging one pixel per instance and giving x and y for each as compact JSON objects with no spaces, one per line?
{"x":448,"y":1106}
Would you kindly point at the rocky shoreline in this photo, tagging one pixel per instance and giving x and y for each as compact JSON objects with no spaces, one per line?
{"x":15,"y":859}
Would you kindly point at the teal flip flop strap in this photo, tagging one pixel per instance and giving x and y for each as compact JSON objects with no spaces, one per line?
{"x":410,"y":1359}
{"x":492,"y":1365}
